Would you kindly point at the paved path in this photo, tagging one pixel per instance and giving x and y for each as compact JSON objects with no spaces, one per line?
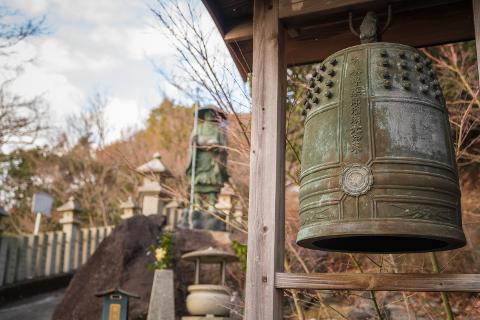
{"x":39,"y":307}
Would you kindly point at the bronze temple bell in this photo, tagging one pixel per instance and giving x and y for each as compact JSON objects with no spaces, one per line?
{"x":378,"y":167}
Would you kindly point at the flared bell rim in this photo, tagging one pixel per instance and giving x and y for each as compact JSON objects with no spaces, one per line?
{"x":381,"y":237}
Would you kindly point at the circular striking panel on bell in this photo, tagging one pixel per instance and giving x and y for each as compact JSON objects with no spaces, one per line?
{"x":356,"y":180}
{"x":378,"y":167}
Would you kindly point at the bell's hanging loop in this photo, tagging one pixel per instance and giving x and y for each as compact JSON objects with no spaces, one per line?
{"x":378,"y":165}
{"x":370,"y":29}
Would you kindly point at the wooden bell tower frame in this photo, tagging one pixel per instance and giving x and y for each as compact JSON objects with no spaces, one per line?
{"x":288,"y":32}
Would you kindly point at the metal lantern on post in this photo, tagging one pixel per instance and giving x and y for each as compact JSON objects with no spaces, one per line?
{"x":209,"y":300}
{"x":378,"y":164}
{"x":115,"y":303}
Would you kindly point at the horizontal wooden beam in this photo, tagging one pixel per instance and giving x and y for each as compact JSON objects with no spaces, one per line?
{"x":447,"y":23}
{"x":439,"y":25}
{"x":294,"y":8}
{"x":420,"y":282}
{"x":298,"y":9}
{"x":240,"y":32}
{"x":244,"y":30}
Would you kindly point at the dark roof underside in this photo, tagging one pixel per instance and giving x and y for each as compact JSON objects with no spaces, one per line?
{"x":318,"y":28}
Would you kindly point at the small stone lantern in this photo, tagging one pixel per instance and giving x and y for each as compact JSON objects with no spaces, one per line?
{"x":152,"y":194}
{"x":129,"y":208}
{"x":173,"y":212}
{"x":207,"y":301}
{"x":225,"y":205}
{"x":115,"y":303}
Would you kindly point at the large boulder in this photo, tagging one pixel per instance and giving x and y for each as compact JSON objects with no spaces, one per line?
{"x":119,"y":262}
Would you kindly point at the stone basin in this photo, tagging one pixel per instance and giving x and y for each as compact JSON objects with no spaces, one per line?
{"x":208,"y":299}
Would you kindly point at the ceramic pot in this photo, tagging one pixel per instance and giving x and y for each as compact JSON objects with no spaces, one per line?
{"x":208,"y":299}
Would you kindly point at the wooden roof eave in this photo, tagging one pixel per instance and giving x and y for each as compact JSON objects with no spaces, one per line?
{"x":318,"y":28}
{"x":242,"y":65}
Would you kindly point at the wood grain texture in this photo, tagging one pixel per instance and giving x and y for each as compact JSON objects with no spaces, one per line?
{"x":233,"y":48}
{"x":267,"y":166}
{"x":476,"y":22}
{"x":293,"y":8}
{"x":317,"y":34}
{"x":380,"y":281}
{"x":240,"y":32}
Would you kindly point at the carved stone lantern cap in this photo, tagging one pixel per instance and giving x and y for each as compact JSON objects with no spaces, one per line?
{"x":129,"y":204}
{"x":70,"y":205}
{"x":69,"y":211}
{"x":154,"y":166}
{"x":210,"y":255}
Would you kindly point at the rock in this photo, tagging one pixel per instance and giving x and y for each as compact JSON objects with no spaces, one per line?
{"x":120,"y":261}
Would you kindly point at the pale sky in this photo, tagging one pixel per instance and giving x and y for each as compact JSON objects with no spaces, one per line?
{"x":96,"y":45}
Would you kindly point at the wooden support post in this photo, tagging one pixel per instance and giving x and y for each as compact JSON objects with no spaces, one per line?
{"x":86,"y":236}
{"x":41,"y":254}
{"x":51,"y":253}
{"x":94,"y":240}
{"x":77,"y":248}
{"x":102,"y":233}
{"x":59,"y":252}
{"x":31,"y":255}
{"x":4,"y":242}
{"x":21,"y":272}
{"x":267,"y":161}
{"x":476,"y":22}
{"x":12,"y":264}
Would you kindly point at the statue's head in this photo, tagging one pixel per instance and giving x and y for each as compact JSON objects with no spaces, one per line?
{"x":211,"y":114}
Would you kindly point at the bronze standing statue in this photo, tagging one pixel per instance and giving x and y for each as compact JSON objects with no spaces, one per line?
{"x":210,"y":162}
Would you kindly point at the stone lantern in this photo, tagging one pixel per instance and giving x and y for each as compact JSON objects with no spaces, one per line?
{"x":115,"y":303}
{"x":224,"y":205}
{"x":129,"y":208}
{"x":71,"y":227}
{"x":153,"y":196}
{"x":173,"y":213}
{"x":209,"y":301}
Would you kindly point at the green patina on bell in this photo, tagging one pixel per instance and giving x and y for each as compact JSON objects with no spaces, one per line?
{"x":378,"y":164}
